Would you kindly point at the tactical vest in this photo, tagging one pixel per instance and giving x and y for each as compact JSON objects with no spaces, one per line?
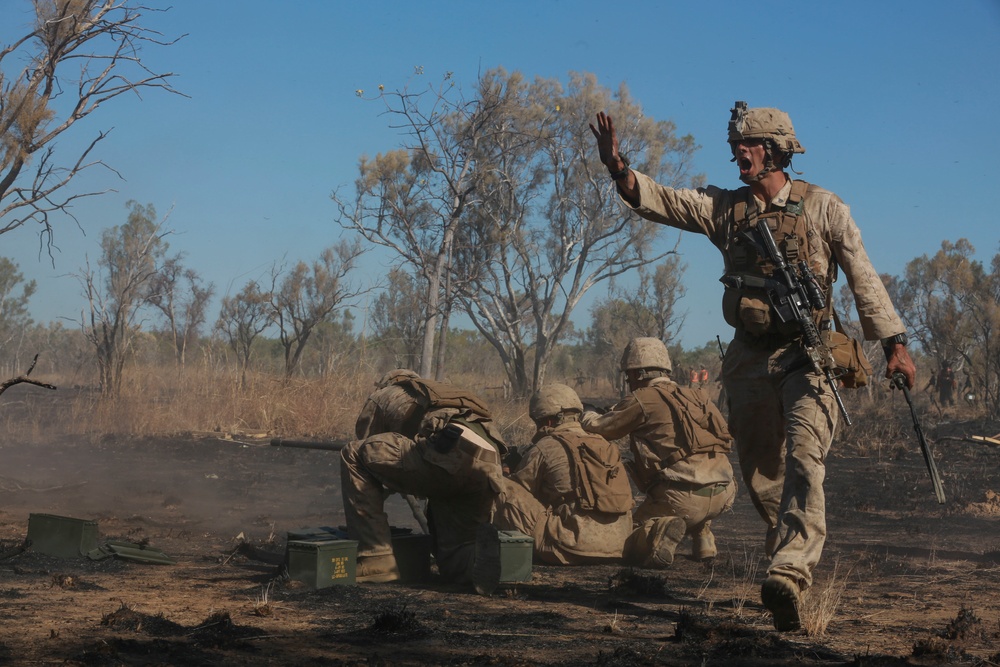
{"x":699,"y":427}
{"x":747,"y":308}
{"x":596,"y":471}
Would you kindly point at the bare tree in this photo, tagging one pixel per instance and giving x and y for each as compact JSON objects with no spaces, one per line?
{"x":648,"y":310}
{"x":178,"y":293}
{"x":412,"y":200}
{"x":14,"y":317}
{"x":310,"y":295}
{"x":87,"y":51}
{"x":131,"y":255}
{"x":242,"y":319}
{"x":951,"y":304}
{"x":549,"y":226}
{"x":397,"y":318}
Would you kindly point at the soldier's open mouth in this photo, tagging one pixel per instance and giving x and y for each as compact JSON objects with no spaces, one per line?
{"x":744,"y":164}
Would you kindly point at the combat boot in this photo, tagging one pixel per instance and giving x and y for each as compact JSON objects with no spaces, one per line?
{"x":666,"y":534}
{"x":781,"y":597}
{"x":486,"y":565}
{"x":703,"y":545}
{"x":377,"y":569}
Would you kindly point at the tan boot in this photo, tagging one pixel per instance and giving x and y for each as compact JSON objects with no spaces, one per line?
{"x":667,"y":533}
{"x":377,"y":569}
{"x":703,"y":545}
{"x":780,"y":594}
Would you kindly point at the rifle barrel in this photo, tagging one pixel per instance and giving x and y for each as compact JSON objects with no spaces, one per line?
{"x":330,"y":446}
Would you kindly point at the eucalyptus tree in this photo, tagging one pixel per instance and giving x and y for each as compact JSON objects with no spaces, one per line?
{"x":242,"y":319}
{"x":116,"y":289}
{"x":310,"y":294}
{"x":412,"y":200}
{"x":549,"y":226}
{"x":181,"y":297}
{"x":75,"y":56}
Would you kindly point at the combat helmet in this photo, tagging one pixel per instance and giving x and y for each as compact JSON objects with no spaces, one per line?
{"x":394,"y":376}
{"x":648,"y":355}
{"x":553,"y":399}
{"x":764,"y":123}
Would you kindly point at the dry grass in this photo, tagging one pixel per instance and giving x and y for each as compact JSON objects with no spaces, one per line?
{"x":158,"y":401}
{"x":745,"y":585}
{"x":820,"y":602}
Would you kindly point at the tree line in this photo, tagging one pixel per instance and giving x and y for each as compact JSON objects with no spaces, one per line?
{"x":494,"y":206}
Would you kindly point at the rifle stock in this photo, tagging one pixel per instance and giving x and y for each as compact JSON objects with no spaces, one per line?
{"x":899,"y":381}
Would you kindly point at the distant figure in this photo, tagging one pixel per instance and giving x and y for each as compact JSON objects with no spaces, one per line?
{"x":703,"y":376}
{"x":946,"y":385}
{"x":693,"y":378}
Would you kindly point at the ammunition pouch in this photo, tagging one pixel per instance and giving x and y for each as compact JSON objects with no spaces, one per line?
{"x":852,"y":366}
{"x":752,"y":314}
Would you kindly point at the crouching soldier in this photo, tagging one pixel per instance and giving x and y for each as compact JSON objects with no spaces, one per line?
{"x":434,"y":441}
{"x":570,"y":491}
{"x":679,"y":443}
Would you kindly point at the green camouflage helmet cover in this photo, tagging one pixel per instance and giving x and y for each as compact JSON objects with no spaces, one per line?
{"x":763,"y":123}
{"x":643,"y":353}
{"x":553,"y":399}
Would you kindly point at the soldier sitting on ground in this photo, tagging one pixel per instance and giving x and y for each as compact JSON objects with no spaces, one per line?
{"x":434,"y":441}
{"x":679,"y":442}
{"x":570,"y":490}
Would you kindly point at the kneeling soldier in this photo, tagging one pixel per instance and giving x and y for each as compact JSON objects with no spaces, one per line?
{"x":679,"y":443}
{"x":570,"y":491}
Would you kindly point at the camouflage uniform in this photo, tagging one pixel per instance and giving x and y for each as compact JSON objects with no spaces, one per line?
{"x":697,"y":488}
{"x":781,"y":412}
{"x":541,"y":499}
{"x":398,"y":451}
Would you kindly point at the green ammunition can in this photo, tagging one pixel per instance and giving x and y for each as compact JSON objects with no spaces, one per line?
{"x":322,"y":563}
{"x":61,"y":536}
{"x":515,"y":556}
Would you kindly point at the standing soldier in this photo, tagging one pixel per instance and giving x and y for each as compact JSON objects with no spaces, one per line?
{"x":570,"y":491}
{"x":946,"y":385}
{"x":679,"y":443}
{"x":434,"y":441}
{"x":782,"y":411}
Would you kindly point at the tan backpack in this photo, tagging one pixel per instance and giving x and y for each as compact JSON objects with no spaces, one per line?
{"x":598,"y":473}
{"x":699,"y":427}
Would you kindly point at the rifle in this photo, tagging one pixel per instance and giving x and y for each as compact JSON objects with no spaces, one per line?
{"x":722,"y":351}
{"x":899,"y":381}
{"x":794,"y":295}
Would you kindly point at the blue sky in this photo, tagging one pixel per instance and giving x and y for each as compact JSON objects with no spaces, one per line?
{"x":897,"y":104}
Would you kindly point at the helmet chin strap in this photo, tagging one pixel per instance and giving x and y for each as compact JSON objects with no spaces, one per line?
{"x":769,"y":165}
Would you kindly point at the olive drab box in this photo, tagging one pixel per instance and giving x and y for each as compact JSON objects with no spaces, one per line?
{"x":321,"y":563}
{"x":598,"y":473}
{"x":699,"y":427}
{"x":60,"y":536}
{"x":516,"y":550}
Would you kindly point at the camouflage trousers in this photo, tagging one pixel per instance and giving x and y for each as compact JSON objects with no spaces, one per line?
{"x":783,"y":416}
{"x":563,"y":535}
{"x":460,"y":486}
{"x":698,"y":506}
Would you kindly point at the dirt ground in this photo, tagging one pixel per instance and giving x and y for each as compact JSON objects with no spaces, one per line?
{"x":904,"y":581}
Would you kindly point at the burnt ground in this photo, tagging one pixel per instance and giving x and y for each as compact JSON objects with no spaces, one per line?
{"x":904,"y":581}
